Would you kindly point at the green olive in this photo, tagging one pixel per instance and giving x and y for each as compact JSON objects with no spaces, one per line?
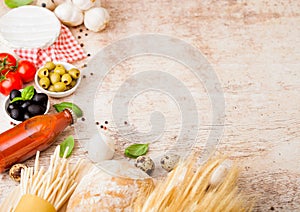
{"x":66,"y":78}
{"x":75,"y":73}
{"x":51,"y":88}
{"x":60,"y":70}
{"x":49,"y":65}
{"x":59,"y":86}
{"x":54,"y":77}
{"x":44,"y":82}
{"x":60,"y":65}
{"x":43,"y":72}
{"x":73,"y":83}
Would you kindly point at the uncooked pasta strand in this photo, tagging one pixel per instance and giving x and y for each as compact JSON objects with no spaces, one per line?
{"x":55,"y":184}
{"x":61,"y":191}
{"x":36,"y":162}
{"x":37,"y":181}
{"x":76,"y":169}
{"x":51,"y":199}
{"x":49,"y":189}
{"x":65,"y":197}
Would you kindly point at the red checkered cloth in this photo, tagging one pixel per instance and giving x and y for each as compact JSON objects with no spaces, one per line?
{"x":65,"y":48}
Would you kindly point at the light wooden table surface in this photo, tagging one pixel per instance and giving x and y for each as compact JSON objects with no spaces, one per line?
{"x":253,"y":47}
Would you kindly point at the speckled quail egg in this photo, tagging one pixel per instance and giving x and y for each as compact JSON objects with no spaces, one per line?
{"x":169,"y":161}
{"x":15,"y":171}
{"x":145,"y":163}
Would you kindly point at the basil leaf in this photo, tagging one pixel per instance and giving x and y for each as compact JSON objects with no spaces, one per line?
{"x":136,"y":150}
{"x":16,"y":99}
{"x":127,"y":154}
{"x":68,"y":142}
{"x":60,"y":107}
{"x":17,"y":3}
{"x":27,"y":93}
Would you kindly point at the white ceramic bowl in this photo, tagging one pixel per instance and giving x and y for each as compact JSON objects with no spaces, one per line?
{"x":58,"y":94}
{"x":6,"y":103}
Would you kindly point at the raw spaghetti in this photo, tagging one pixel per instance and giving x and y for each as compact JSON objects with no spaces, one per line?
{"x":54,"y":185}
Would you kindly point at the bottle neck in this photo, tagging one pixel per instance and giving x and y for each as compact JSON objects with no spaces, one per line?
{"x":63,"y":119}
{"x":70,"y":115}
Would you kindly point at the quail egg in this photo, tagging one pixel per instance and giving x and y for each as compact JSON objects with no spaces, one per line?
{"x":15,"y":171}
{"x":145,"y":163}
{"x":169,"y":161}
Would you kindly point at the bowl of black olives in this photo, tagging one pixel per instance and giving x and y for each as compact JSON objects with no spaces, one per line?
{"x":23,"y":104}
{"x":57,"y":79}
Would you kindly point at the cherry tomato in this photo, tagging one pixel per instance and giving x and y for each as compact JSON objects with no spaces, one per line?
{"x":9,"y":82}
{"x":7,"y":62}
{"x":26,"y":70}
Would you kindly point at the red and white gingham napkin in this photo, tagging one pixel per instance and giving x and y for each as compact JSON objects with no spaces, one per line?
{"x":65,"y":48}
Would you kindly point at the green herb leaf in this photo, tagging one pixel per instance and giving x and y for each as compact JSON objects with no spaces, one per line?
{"x":68,"y":142}
{"x":60,"y":107}
{"x":16,"y":99}
{"x":27,"y":93}
{"x":17,"y":3}
{"x":127,"y":154}
{"x":136,"y":150}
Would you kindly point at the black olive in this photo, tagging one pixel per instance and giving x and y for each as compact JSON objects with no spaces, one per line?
{"x":18,"y":103}
{"x":11,"y":106}
{"x":14,"y":93}
{"x":27,"y":115}
{"x":16,"y":114}
{"x":25,"y":104}
{"x":40,"y":98}
{"x":35,"y":109}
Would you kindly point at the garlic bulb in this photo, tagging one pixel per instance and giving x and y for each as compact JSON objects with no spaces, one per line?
{"x":100,"y":147}
{"x":86,"y":4}
{"x":50,"y":5}
{"x":58,"y":2}
{"x":96,"y":19}
{"x":69,"y":14}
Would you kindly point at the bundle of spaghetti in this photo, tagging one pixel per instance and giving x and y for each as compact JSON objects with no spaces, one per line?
{"x":188,"y":188}
{"x":54,"y":185}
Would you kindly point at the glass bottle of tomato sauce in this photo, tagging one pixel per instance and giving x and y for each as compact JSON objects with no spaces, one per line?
{"x":35,"y":134}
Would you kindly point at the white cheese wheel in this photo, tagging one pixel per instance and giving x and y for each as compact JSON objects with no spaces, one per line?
{"x":29,"y":27}
{"x":110,"y":186}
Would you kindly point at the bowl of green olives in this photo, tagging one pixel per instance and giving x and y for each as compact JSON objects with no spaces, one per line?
{"x":57,"y":79}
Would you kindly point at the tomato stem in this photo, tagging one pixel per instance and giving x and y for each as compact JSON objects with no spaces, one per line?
{"x":2,"y":77}
{"x":4,"y":63}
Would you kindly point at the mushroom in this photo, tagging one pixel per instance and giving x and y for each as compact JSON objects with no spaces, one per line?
{"x":96,"y":19}
{"x":86,"y":4}
{"x":69,"y":14}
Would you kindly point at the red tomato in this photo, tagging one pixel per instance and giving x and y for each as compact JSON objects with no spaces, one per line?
{"x":9,"y":82}
{"x":26,"y":70}
{"x":7,"y":62}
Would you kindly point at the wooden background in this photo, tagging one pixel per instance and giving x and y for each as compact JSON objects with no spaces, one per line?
{"x":253,"y":47}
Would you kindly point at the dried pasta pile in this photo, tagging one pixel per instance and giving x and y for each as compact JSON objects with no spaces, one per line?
{"x":189,"y":189}
{"x":55,"y":185}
